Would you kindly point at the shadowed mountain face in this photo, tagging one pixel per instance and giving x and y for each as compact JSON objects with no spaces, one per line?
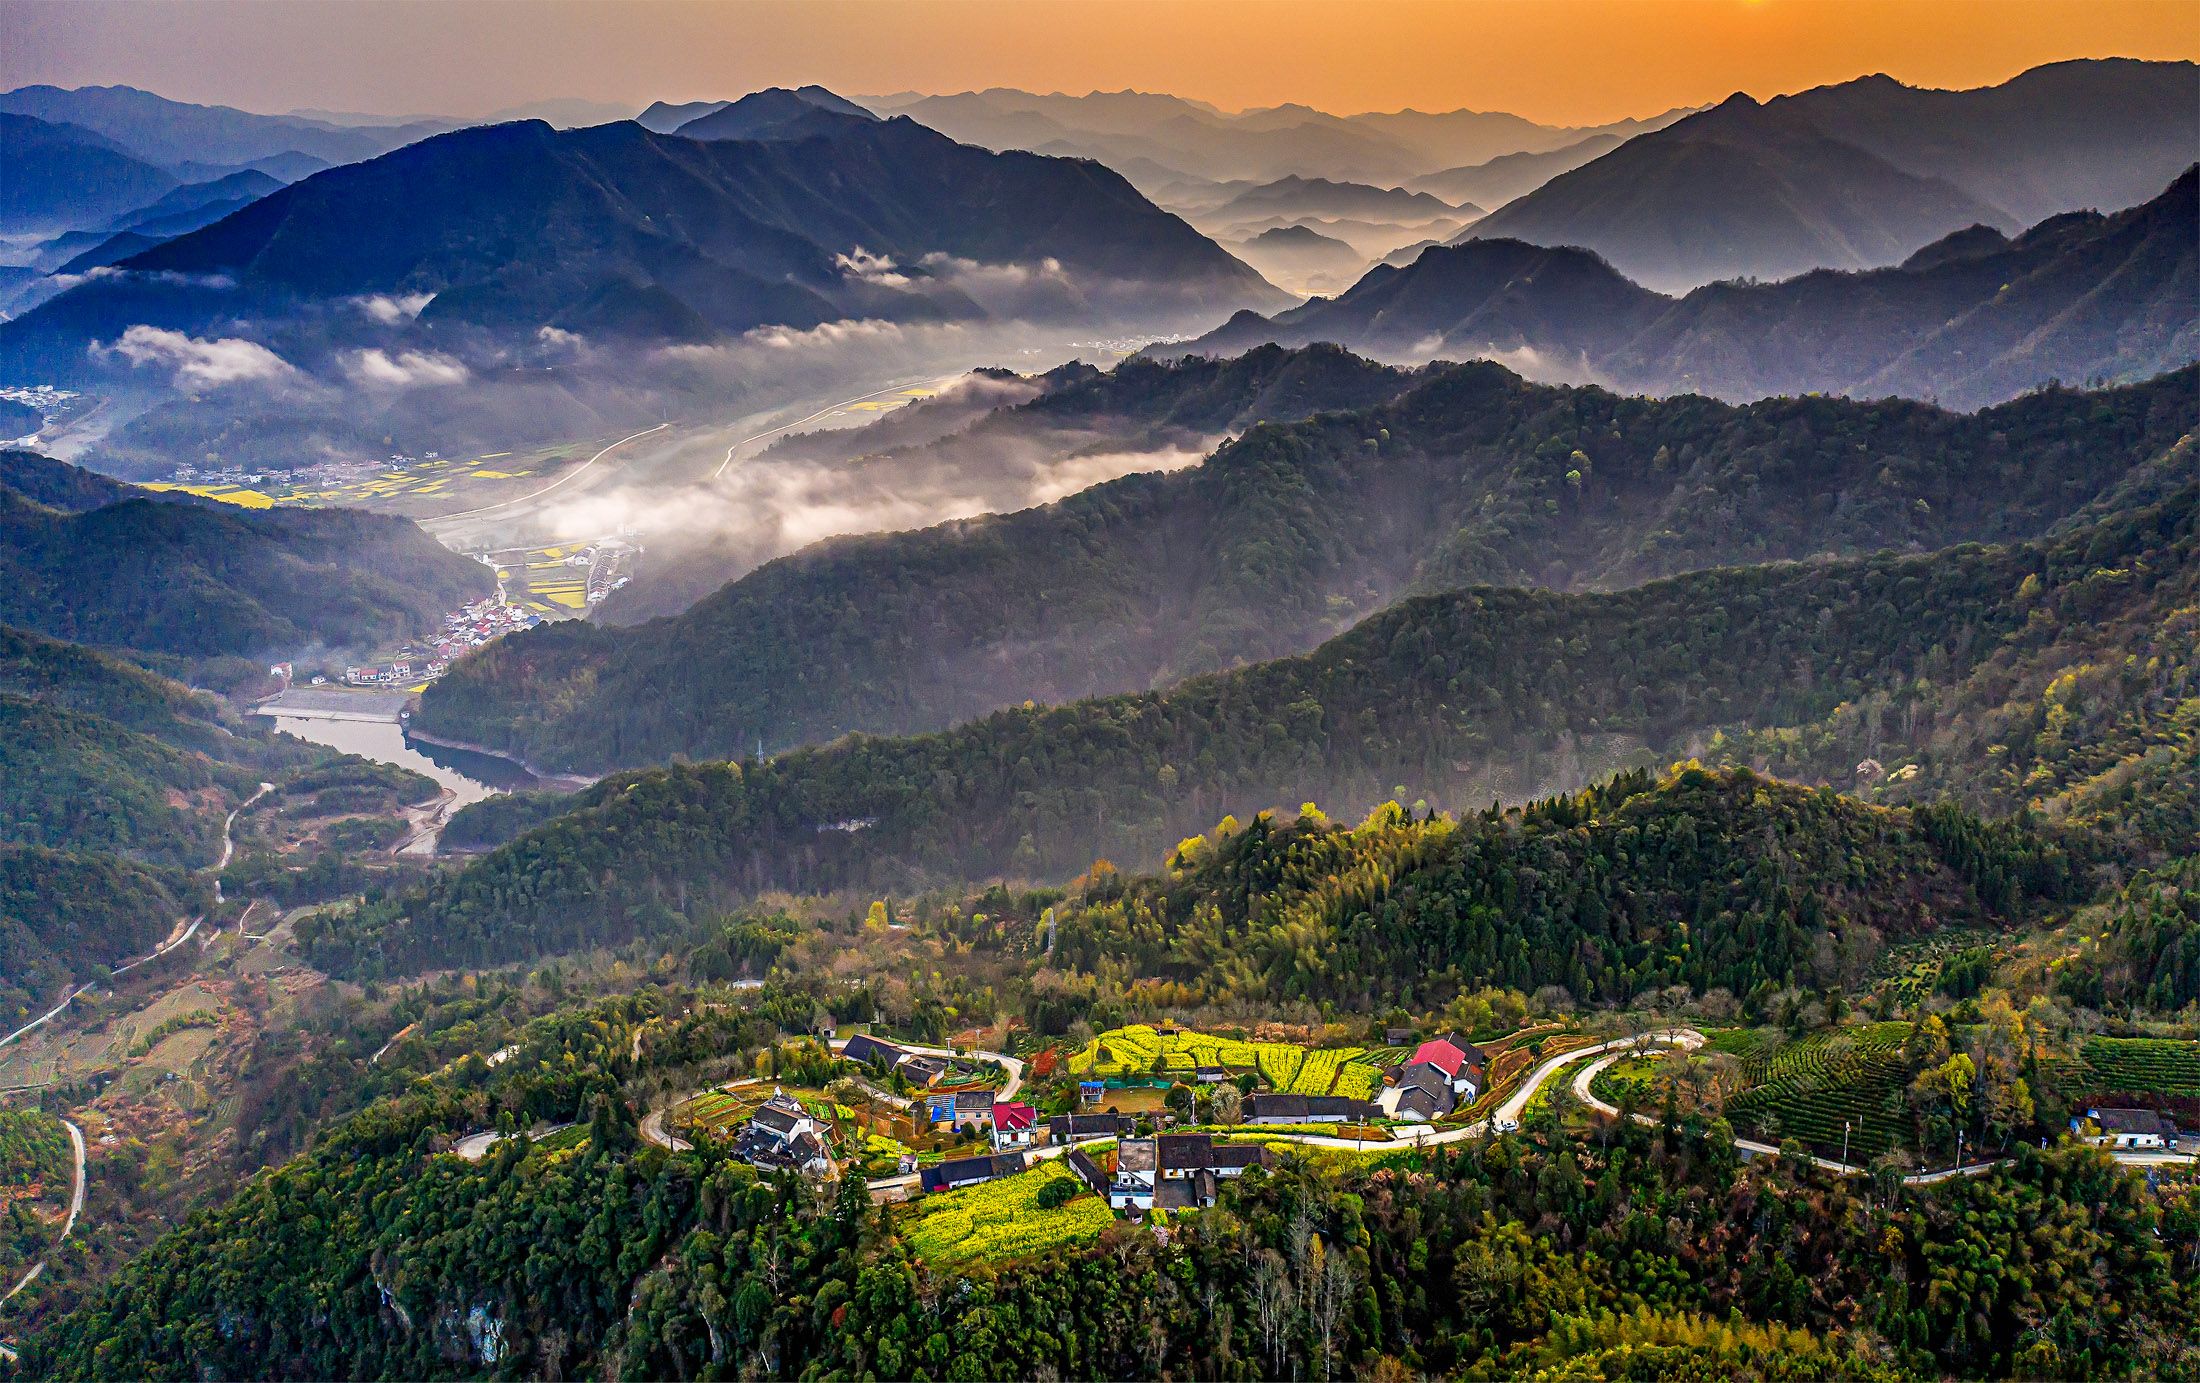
{"x":63,"y":175}
{"x":85,"y":559}
{"x":1458,"y":475}
{"x":1969,"y":320}
{"x":617,"y":231}
{"x":1860,"y":174}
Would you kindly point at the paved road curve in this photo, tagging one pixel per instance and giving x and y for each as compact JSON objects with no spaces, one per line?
{"x":76,"y":1207}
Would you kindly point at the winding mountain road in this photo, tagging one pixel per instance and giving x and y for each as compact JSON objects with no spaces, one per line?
{"x":76,"y":1208}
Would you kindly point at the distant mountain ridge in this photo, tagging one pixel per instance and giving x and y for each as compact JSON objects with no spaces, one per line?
{"x":1973,"y":319}
{"x":1158,"y":140}
{"x":1859,"y":174}
{"x":171,"y":133}
{"x":61,"y":175}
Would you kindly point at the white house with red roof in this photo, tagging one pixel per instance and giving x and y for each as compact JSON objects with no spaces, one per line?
{"x":1458,"y":1062}
{"x":1014,"y":1124}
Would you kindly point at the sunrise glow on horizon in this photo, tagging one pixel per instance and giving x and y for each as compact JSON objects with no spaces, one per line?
{"x":1554,"y":61}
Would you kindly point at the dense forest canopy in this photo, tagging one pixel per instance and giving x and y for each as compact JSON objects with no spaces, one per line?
{"x":1455,"y":699}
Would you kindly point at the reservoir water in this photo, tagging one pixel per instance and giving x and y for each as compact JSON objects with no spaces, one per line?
{"x":469,"y":775}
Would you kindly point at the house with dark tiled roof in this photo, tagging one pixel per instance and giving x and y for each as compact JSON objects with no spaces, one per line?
{"x":1178,"y":1171}
{"x":1088,"y":1171}
{"x":2128,"y":1129}
{"x":867,"y":1050}
{"x":969,"y":1171}
{"x":1419,"y":1092}
{"x":1068,"y":1128}
{"x":922,"y":1068}
{"x":1461,"y":1062}
{"x":781,"y":1133}
{"x":1268,"y":1107}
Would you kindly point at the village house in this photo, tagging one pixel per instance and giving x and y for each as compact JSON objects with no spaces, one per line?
{"x":968,"y":1110}
{"x":1014,"y":1125}
{"x":1088,"y":1171}
{"x":1268,"y":1107}
{"x":1068,"y":1128}
{"x":1459,"y":1060}
{"x":1178,"y":1171}
{"x":1420,"y":1095}
{"x":1209,"y":1075}
{"x":969,"y":1171}
{"x":2128,"y":1129}
{"x":867,"y":1050}
{"x":781,"y":1133}
{"x":1397,"y":1037}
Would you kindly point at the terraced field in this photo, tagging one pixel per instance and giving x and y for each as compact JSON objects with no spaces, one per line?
{"x":1810,"y":1088}
{"x":1138,"y":1050}
{"x":2151,"y":1065}
{"x":714,"y":1111}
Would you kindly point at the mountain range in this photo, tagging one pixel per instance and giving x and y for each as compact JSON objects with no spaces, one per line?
{"x":1971,"y":319}
{"x":616,"y":231}
{"x":1439,"y":479}
{"x":1861,"y":174}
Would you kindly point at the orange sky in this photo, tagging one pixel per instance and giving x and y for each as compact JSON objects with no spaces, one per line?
{"x":1558,"y":61}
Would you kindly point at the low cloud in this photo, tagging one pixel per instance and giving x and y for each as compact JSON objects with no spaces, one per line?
{"x":392,"y":309}
{"x":405,"y":369}
{"x":199,"y":363}
{"x":860,"y":263}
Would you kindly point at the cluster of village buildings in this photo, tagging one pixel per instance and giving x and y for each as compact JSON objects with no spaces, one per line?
{"x":1183,"y":1171}
{"x":468,"y":627}
{"x":1179,"y":1171}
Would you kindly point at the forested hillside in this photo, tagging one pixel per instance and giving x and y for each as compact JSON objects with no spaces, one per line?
{"x":1286,"y":536}
{"x":1702,"y":879}
{"x":66,"y":917}
{"x":374,"y":1254}
{"x":114,"y":783}
{"x":201,"y":580}
{"x":1457,"y":699}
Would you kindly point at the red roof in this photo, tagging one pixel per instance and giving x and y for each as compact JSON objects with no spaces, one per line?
{"x":1011,"y":1117}
{"x":1442,"y":1055}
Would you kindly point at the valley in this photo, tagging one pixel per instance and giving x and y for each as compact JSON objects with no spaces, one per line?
{"x":681,"y":727}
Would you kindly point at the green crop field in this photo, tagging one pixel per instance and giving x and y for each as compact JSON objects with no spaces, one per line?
{"x":1002,"y":1219}
{"x":1808,"y":1089}
{"x":2153,"y":1065}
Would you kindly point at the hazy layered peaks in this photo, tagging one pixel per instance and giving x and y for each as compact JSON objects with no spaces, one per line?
{"x":1860,"y":174}
{"x":1971,"y":318}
